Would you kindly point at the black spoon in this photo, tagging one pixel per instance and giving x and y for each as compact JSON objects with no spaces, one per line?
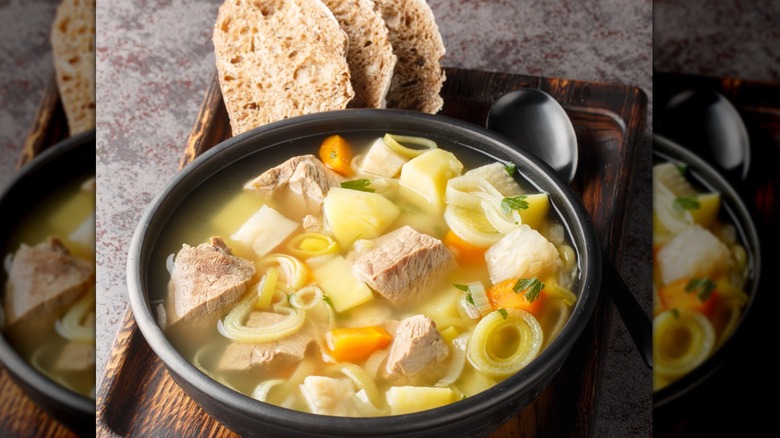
{"x":707,"y":124}
{"x":535,"y":121}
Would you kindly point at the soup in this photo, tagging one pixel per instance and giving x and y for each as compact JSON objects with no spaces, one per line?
{"x":378,"y":275}
{"x":48,"y":310}
{"x":699,"y":275}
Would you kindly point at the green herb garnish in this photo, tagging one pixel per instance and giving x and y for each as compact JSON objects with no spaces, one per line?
{"x":509,"y":205}
{"x":702,"y":286}
{"x":686,"y":203}
{"x":531,"y":286}
{"x":682,"y":168}
{"x":676,"y":313}
{"x":510,"y":168}
{"x":503,"y":313}
{"x":327,"y":300}
{"x":358,"y":184}
{"x":462,"y":287}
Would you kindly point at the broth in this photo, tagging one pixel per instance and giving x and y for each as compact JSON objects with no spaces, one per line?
{"x":354,"y":336}
{"x":58,"y":339}
{"x":699,"y":274}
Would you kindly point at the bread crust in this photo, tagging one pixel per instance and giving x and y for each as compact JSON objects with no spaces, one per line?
{"x":278,"y":59}
{"x":73,"y":51}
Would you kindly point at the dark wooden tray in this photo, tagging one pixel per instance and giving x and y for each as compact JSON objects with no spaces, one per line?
{"x":735,"y":394}
{"x":139,"y":398}
{"x":19,"y":415}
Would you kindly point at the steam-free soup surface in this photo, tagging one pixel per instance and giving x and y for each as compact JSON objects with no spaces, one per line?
{"x":376,"y":275}
{"x":49,"y":296}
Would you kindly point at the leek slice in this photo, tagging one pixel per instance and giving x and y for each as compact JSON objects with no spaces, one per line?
{"x":682,"y":341}
{"x":266,"y":288}
{"x":306,"y":298}
{"x":361,"y":379}
{"x":75,"y":324}
{"x":480,"y":297}
{"x":294,"y":272}
{"x":234,"y":329}
{"x":307,"y":245}
{"x":459,"y":346}
{"x":519,"y":330}
{"x":394,"y":143}
{"x":263,"y":388}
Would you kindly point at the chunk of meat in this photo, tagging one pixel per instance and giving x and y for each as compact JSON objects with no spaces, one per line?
{"x":304,"y":176}
{"x":403,"y":264}
{"x":204,"y":279}
{"x":76,"y":356}
{"x":44,"y":278}
{"x":417,"y":353}
{"x":523,"y":253}
{"x":329,"y":396}
{"x":695,"y":252}
{"x":240,"y":357}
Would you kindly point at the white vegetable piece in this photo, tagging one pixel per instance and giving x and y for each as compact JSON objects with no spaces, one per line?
{"x":424,"y":179}
{"x":496,"y":175}
{"x":523,"y":253}
{"x":695,"y":252}
{"x":84,"y":235}
{"x":265,"y":230}
{"x":383,"y":161}
{"x":329,"y":396}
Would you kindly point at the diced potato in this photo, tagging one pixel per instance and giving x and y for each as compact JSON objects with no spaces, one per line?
{"x":265,"y":230}
{"x":381,"y":160}
{"x":408,"y":399}
{"x":424,"y":179}
{"x":83,"y":239}
{"x":341,"y":287}
{"x":538,"y":206}
{"x":709,"y":206}
{"x":352,"y":214}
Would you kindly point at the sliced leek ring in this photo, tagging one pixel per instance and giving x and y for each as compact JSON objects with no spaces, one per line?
{"x":307,"y":245}
{"x":493,"y":331}
{"x":394,"y":143}
{"x":682,"y":341}
{"x":71,"y":326}
{"x":234,"y":329}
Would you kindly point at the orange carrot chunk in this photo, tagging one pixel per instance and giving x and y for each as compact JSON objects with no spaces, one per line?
{"x":689,"y":293}
{"x":502,"y":295}
{"x":465,"y":253}
{"x":355,"y":344}
{"x":336,"y":154}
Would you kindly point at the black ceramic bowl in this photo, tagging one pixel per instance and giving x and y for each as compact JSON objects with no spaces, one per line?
{"x":70,"y":158}
{"x":271,"y":144}
{"x":683,"y":391}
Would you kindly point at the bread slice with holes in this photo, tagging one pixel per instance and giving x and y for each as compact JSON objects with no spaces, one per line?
{"x":278,"y":59}
{"x":417,"y":42}
{"x":370,"y":54}
{"x":73,"y":50}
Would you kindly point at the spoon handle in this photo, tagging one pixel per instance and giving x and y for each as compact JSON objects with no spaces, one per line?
{"x":638,"y":324}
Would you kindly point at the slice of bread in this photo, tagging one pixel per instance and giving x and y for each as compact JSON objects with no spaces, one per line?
{"x":73,"y":50}
{"x":278,"y":59}
{"x":418,"y":76}
{"x":370,"y":54}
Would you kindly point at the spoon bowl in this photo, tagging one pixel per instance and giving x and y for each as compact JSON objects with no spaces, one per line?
{"x":707,"y":124}
{"x":538,"y":124}
{"x":535,"y":121}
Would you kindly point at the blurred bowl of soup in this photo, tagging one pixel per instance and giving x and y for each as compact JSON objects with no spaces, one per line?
{"x":707,"y":272}
{"x":305,"y":208}
{"x":48,"y":343}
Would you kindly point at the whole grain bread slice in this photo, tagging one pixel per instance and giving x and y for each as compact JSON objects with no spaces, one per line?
{"x":73,"y":50}
{"x":417,"y":42}
{"x":370,"y":54}
{"x":278,"y":59}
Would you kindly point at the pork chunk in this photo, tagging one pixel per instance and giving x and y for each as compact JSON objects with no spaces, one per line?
{"x":44,"y":278}
{"x":417,"y":353}
{"x":304,"y":176}
{"x":206,"y":278}
{"x":403,"y":264}
{"x":329,"y":396}
{"x":240,"y":357}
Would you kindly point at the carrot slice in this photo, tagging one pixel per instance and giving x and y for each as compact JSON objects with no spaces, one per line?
{"x":465,"y":253}
{"x":676,"y":295}
{"x":355,"y":344}
{"x":336,"y":153}
{"x":502,"y":296}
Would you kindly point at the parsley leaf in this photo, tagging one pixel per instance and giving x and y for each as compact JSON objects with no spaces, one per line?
{"x":510,"y":204}
{"x":470,"y":299}
{"x":462,"y":287}
{"x":682,"y":168}
{"x":686,"y":203}
{"x":531,"y":286}
{"x":703,"y":287}
{"x":358,"y":184}
{"x":503,"y":313}
{"x":510,"y":168}
{"x":675,"y":312}
{"x":327,"y":300}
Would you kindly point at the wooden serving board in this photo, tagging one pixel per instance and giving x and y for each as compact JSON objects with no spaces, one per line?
{"x":139,"y":398}
{"x":19,"y":415}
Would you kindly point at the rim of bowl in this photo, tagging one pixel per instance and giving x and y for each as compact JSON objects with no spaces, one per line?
{"x":45,"y":389}
{"x":379,"y":119}
{"x":737,"y":211}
